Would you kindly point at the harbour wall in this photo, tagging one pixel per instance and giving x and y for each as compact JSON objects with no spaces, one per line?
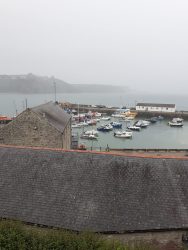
{"x":109,"y":111}
{"x":146,"y":114}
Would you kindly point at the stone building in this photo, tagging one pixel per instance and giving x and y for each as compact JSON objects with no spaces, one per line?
{"x":47,"y":125}
{"x":123,"y":197}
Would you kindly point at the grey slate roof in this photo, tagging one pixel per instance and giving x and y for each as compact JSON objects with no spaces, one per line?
{"x":103,"y":193}
{"x":156,"y":105}
{"x":54,"y":114}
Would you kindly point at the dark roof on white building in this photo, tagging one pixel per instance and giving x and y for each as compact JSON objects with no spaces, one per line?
{"x":156,"y":105}
{"x":102,"y":193}
{"x":54,"y":114}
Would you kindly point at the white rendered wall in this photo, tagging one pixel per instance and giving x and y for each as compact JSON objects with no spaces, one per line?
{"x":155,"y":109}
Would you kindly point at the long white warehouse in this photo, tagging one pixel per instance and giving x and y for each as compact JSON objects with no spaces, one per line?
{"x":155,"y":107}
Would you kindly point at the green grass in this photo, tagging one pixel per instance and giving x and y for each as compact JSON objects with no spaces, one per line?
{"x":18,"y":236}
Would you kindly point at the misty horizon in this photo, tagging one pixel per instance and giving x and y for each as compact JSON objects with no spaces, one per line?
{"x":138,"y":44}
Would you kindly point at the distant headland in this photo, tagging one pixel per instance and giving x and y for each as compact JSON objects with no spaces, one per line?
{"x":32,"y":84}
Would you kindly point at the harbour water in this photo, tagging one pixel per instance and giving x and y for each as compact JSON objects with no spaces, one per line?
{"x":158,"y":135}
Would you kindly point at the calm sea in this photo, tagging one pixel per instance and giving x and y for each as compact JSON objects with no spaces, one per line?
{"x":10,"y":103}
{"x":158,"y":135}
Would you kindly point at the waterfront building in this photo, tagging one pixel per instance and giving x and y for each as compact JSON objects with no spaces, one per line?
{"x":156,"y":107}
{"x":46,"y":125}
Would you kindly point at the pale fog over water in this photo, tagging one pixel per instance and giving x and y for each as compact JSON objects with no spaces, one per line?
{"x":158,"y":135}
{"x":9,"y":103}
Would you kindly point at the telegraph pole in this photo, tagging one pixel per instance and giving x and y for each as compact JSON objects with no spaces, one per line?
{"x":55,"y":91}
{"x":26,"y":103}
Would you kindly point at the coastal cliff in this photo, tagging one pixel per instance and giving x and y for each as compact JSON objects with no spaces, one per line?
{"x":32,"y":84}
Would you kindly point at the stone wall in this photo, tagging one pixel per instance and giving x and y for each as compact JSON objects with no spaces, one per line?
{"x":30,"y":129}
{"x":158,"y":238}
{"x":67,"y":136}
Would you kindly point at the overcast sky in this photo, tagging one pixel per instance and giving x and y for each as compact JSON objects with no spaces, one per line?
{"x":139,"y":43}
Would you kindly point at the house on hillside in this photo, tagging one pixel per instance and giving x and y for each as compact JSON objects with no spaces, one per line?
{"x":156,"y":107}
{"x":47,"y":125}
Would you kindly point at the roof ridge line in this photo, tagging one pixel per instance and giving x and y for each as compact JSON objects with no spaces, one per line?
{"x":97,"y":152}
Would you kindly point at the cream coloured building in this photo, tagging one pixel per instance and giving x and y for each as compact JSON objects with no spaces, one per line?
{"x":156,"y":107}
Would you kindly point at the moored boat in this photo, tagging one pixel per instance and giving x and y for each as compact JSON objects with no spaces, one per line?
{"x":177,"y":119}
{"x":105,"y":128}
{"x":76,"y":125}
{"x":83,"y":124}
{"x":105,"y":118}
{"x":142,"y":123}
{"x":160,"y":118}
{"x":88,"y":136}
{"x":117,"y":115}
{"x":116,"y":124}
{"x":91,"y":132}
{"x":134,"y":128}
{"x":175,"y":124}
{"x":153,"y":119}
{"x":92,"y":122}
{"x":97,"y":114}
{"x":123,"y":134}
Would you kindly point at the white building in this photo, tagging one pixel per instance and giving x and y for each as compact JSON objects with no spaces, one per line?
{"x":155,"y":107}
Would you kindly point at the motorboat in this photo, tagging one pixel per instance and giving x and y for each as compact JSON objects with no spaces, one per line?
{"x":123,"y":134}
{"x":88,"y":136}
{"x":134,"y":128}
{"x":76,"y":125}
{"x":178,"y":120}
{"x":153,"y":119}
{"x":91,"y":132}
{"x":97,"y":114}
{"x":92,"y":122}
{"x":142,"y":124}
{"x":83,"y":124}
{"x":175,"y":124}
{"x":117,"y":115}
{"x":105,"y":128}
{"x":160,"y":118}
{"x":105,"y":118}
{"x":116,"y":124}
